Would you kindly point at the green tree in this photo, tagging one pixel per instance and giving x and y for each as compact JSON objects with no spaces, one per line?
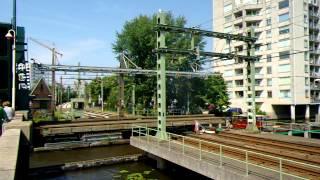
{"x":216,"y":92}
{"x":138,"y":39}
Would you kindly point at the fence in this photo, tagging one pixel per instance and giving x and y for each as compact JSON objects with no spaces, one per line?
{"x":198,"y":149}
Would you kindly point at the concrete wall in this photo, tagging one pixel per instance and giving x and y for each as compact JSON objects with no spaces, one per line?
{"x":19,"y":123}
{"x":14,"y":155}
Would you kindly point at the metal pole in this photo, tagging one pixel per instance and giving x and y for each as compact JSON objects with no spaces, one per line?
{"x":53,"y":103}
{"x":247,"y":166}
{"x":68,"y":93}
{"x":102,"y":108}
{"x":161,"y":79}
{"x":79,"y":96}
{"x":251,"y":94}
{"x":133,"y":100}
{"x":61,"y":90}
{"x":13,"y":96}
{"x":14,"y":17}
{"x":183,"y":145}
{"x":280,"y":168}
{"x":220,"y":154}
{"x":121,"y":88}
{"x":200,"y":147}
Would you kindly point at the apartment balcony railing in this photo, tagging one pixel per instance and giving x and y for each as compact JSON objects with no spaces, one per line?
{"x":314,"y":74}
{"x":315,"y":100}
{"x":314,"y":14}
{"x":314,"y":26}
{"x":315,"y":87}
{"x":314,"y":38}
{"x":314,"y":3}
{"x":314,"y":62}
{"x":315,"y":51}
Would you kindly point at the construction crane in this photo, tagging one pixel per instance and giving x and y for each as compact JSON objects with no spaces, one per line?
{"x":54,"y":58}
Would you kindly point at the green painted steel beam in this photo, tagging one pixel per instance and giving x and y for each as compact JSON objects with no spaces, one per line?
{"x":207,"y":54}
{"x":161,"y":80}
{"x":175,"y":29}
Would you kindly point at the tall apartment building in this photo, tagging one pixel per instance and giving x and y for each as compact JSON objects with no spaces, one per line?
{"x":288,"y":72}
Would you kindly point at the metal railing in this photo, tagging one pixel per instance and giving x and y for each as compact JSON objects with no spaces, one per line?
{"x":198,"y":152}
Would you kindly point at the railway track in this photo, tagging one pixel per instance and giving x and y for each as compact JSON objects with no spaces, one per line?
{"x":298,"y":147}
{"x":287,"y":166}
{"x":121,"y":123}
{"x":278,"y":151}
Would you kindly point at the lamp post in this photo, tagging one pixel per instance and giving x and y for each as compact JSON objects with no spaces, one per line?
{"x":12,"y":34}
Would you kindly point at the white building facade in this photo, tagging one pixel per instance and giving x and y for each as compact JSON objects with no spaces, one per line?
{"x":288,"y":72}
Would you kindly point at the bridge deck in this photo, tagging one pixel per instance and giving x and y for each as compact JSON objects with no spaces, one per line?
{"x":219,"y":161}
{"x":88,"y":125}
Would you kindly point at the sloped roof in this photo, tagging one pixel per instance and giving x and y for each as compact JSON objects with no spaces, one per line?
{"x":40,"y":81}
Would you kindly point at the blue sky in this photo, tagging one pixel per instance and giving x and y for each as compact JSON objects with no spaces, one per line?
{"x":85,"y":30}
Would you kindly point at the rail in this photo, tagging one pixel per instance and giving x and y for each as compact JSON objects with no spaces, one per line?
{"x":149,"y":133}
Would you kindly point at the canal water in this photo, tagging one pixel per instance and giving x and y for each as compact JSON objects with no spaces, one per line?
{"x":141,"y":170}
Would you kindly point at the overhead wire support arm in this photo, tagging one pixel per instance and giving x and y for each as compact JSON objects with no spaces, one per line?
{"x":195,"y":31}
{"x":202,"y":53}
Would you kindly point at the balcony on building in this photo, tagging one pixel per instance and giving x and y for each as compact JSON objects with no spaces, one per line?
{"x":315,"y":51}
{"x":315,"y":99}
{"x":238,"y":83}
{"x":314,"y":38}
{"x":314,"y":62}
{"x":315,"y":86}
{"x":314,"y":27}
{"x":239,"y":94}
{"x":314,"y":14}
{"x":314,"y":74}
{"x":252,"y":4}
{"x":253,"y":15}
{"x":314,"y":3}
{"x":238,"y":72}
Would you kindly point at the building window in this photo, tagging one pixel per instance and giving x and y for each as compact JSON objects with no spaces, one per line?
{"x":228,"y":73}
{"x":268,"y":46}
{"x":305,"y":6}
{"x":284,"y":81}
{"x":284,"y":55}
{"x":227,"y":29}
{"x":269,"y":58}
{"x":284,"y":42}
{"x":258,"y":94}
{"x":284,"y":30}
{"x":285,"y":93}
{"x":307,"y":93}
{"x":305,"y":17}
{"x":306,"y":68}
{"x":283,"y":4}
{"x":229,"y":84}
{"x":306,"y":56}
{"x":284,"y":68}
{"x":239,"y":94}
{"x":306,"y":43}
{"x":306,"y":31}
{"x":269,"y":33}
{"x":269,"y":70}
{"x":269,"y":22}
{"x":284,"y":17}
{"x":227,"y":8}
{"x":307,"y":81}
{"x":228,"y":18}
{"x":269,"y":82}
{"x":258,"y":82}
{"x":269,"y":94}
